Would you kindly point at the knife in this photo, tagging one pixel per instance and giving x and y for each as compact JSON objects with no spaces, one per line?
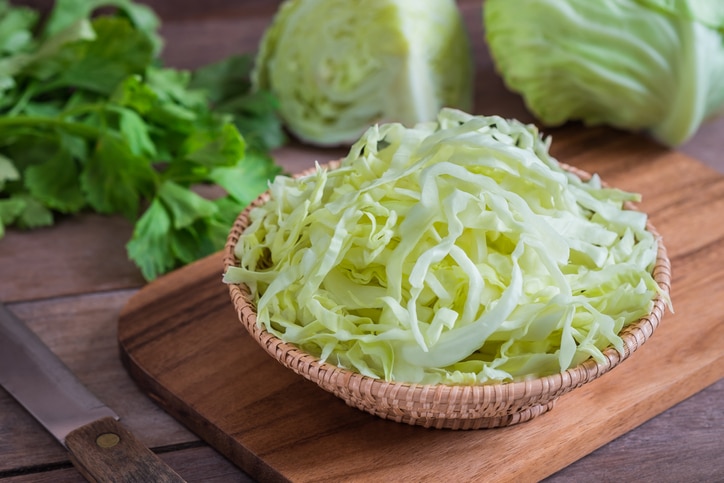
{"x":98,"y":445}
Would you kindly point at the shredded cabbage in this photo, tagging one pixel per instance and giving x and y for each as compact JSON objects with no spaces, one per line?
{"x":455,"y":252}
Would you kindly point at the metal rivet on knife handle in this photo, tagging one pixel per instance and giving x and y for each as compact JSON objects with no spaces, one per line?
{"x":107,"y":440}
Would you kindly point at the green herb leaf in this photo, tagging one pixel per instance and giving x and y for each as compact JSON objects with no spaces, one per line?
{"x":8,"y":172}
{"x":149,"y":246}
{"x":228,"y":85}
{"x":114,"y":179}
{"x":136,"y":133}
{"x":9,"y":210}
{"x":50,"y":51}
{"x":34,"y":214}
{"x":223,"y":146}
{"x":116,"y":52}
{"x":248,"y":178}
{"x":184,"y":205}
{"x":16,"y":25}
{"x":68,"y":12}
{"x":56,"y":182}
{"x":89,"y":118}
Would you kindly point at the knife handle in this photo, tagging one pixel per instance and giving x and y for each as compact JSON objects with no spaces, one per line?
{"x":105,"y":451}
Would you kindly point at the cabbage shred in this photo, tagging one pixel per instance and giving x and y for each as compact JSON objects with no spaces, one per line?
{"x":453,"y":252}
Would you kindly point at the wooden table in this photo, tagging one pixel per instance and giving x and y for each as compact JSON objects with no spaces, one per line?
{"x":69,"y":283}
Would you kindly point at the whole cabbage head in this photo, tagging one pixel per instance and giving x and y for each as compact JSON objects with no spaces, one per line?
{"x":339,"y":66}
{"x":652,"y":65}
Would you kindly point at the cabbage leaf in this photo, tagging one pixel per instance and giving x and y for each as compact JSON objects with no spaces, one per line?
{"x":640,"y":65}
{"x":338,"y":66}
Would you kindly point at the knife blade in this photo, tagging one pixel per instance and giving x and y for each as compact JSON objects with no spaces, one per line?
{"x":100,"y":447}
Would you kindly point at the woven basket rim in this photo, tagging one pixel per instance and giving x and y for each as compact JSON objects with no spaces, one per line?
{"x":326,"y":374}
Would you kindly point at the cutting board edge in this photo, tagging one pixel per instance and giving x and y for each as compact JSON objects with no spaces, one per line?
{"x":201,"y":426}
{"x":163,"y":285}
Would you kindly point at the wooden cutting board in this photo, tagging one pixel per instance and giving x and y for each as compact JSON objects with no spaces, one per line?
{"x":180,"y":340}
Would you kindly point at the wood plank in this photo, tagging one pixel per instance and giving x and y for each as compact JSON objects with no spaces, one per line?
{"x":182,"y":343}
{"x":193,"y":464}
{"x":178,"y":10}
{"x":645,"y":455}
{"x":80,"y":254}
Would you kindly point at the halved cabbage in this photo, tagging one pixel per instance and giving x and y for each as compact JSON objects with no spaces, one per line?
{"x":652,"y":65}
{"x":456,"y":251}
{"x":339,"y":66}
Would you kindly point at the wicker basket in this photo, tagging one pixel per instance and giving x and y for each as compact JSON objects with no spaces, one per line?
{"x":444,"y":406}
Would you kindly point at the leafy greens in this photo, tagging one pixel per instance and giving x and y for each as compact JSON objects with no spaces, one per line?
{"x":338,"y":66}
{"x":91,"y":120}
{"x":452,"y":252}
{"x":650,"y":65}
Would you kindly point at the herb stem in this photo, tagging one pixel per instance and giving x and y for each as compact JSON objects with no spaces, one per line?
{"x":85,"y":130}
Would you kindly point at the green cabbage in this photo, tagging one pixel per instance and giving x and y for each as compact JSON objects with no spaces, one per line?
{"x":641,"y":65}
{"x":455,"y":252}
{"x":338,"y":66}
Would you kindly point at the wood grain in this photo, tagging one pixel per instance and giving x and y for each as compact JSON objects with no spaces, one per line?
{"x":177,"y":10}
{"x":193,"y":464}
{"x":181,"y":341}
{"x":636,"y":456}
{"x":106,"y":452}
{"x":76,"y":255}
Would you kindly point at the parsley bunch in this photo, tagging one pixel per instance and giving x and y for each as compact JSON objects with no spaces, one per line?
{"x":91,"y":120}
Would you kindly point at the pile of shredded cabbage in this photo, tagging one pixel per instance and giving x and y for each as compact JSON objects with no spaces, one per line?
{"x":453,"y":252}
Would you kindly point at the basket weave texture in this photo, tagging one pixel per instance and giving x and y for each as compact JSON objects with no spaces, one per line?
{"x":445,"y":406}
